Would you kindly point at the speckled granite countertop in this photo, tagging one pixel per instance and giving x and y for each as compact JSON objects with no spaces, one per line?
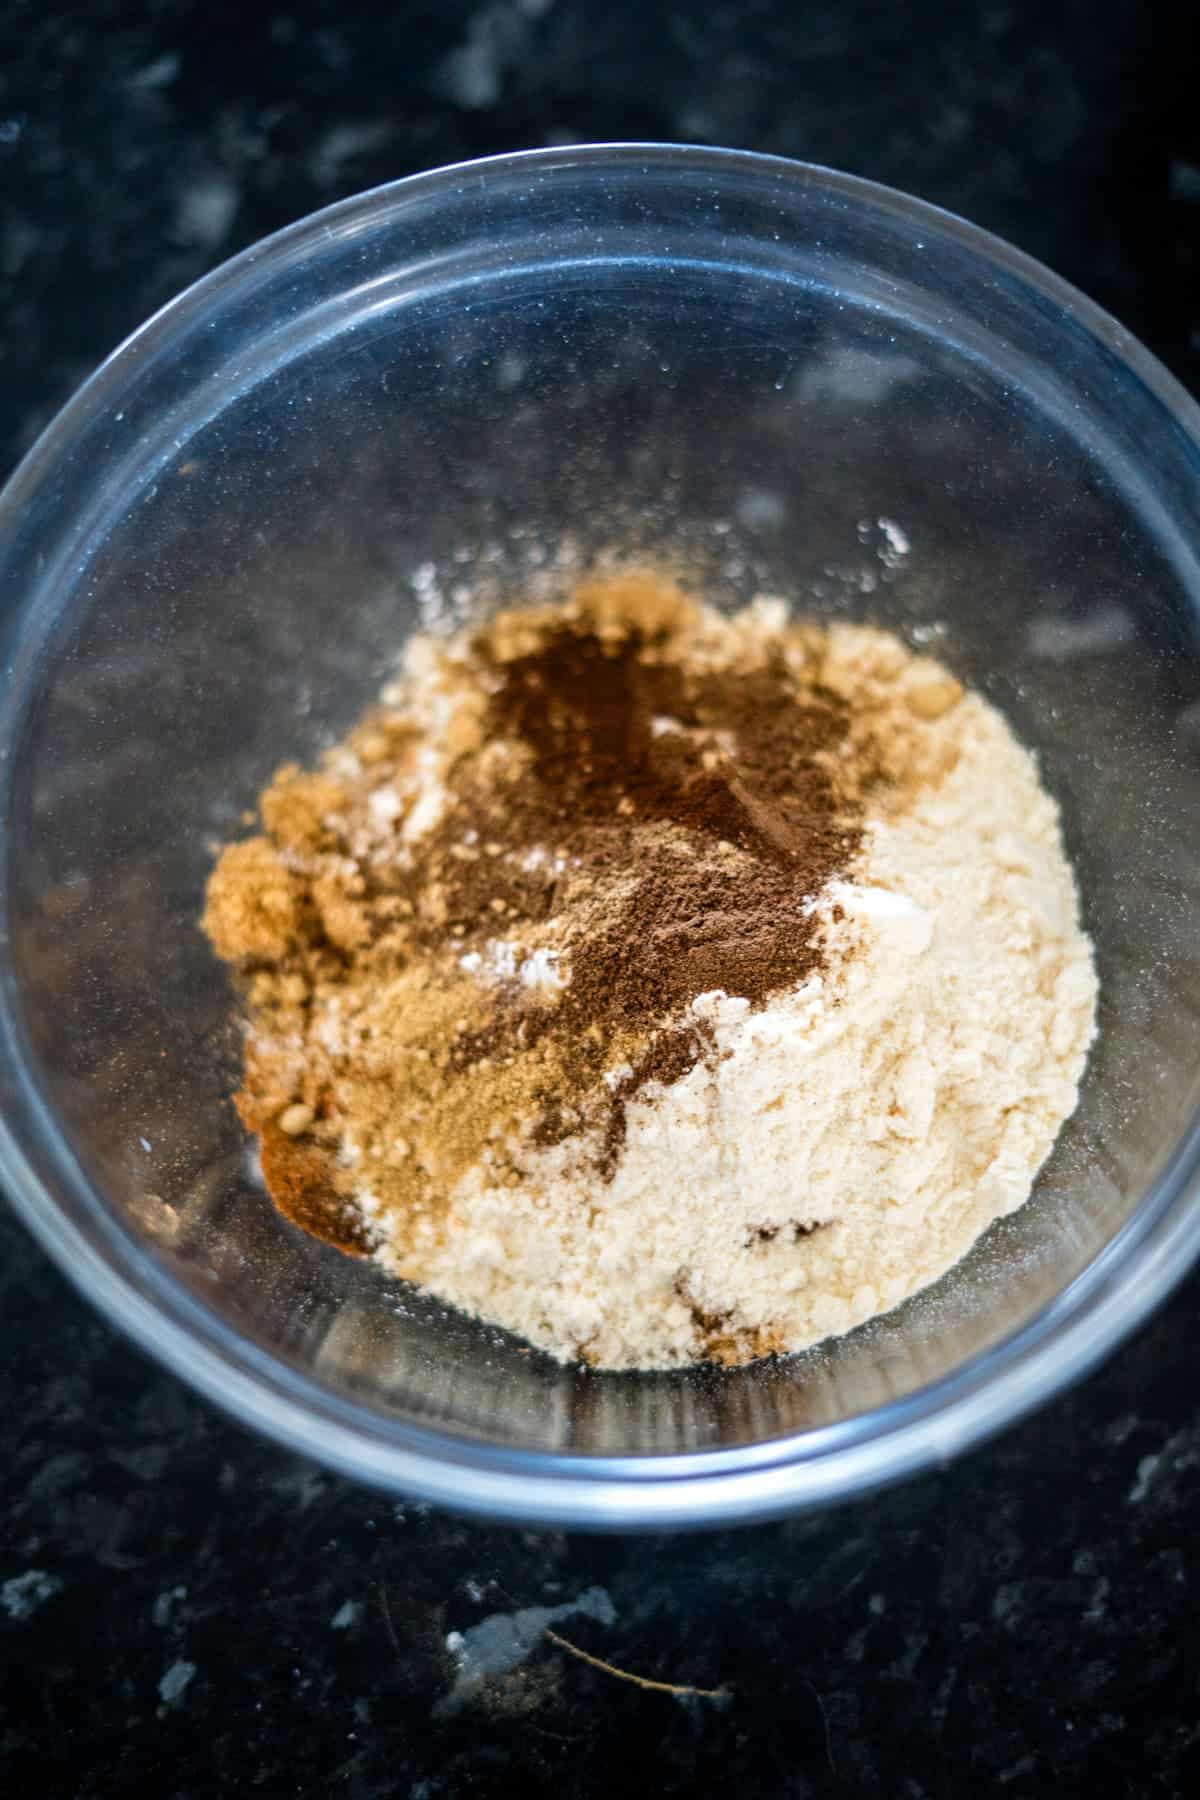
{"x":188,"y":1612}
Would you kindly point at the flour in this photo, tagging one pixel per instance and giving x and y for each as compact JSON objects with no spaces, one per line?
{"x":660,"y":986}
{"x":848,"y":1141}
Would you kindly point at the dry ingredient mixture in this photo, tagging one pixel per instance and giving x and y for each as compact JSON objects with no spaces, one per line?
{"x":660,"y":985}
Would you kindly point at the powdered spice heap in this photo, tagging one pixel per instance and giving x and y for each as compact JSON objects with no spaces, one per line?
{"x":739,"y":770}
{"x":511,"y":883}
{"x":697,"y":814}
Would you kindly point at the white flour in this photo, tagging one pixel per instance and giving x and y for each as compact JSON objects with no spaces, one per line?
{"x":848,"y":1141}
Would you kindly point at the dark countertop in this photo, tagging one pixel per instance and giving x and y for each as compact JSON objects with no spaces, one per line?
{"x":189,"y":1611}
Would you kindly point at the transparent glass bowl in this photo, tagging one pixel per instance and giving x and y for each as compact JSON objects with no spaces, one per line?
{"x":796,"y":381}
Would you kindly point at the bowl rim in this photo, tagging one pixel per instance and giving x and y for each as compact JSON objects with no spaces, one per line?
{"x":1102,"y":1305}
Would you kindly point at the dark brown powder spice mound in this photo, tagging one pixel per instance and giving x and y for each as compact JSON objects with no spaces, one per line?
{"x":625,"y":744}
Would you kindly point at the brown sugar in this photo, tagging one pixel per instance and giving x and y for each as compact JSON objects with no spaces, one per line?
{"x":254,"y":902}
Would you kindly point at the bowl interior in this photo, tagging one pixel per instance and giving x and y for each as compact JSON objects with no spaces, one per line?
{"x":442,"y":399}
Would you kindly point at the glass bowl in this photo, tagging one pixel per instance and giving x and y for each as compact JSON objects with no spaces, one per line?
{"x":788,"y":379}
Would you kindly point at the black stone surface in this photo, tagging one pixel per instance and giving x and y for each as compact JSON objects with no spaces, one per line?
{"x":185,"y":1611}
